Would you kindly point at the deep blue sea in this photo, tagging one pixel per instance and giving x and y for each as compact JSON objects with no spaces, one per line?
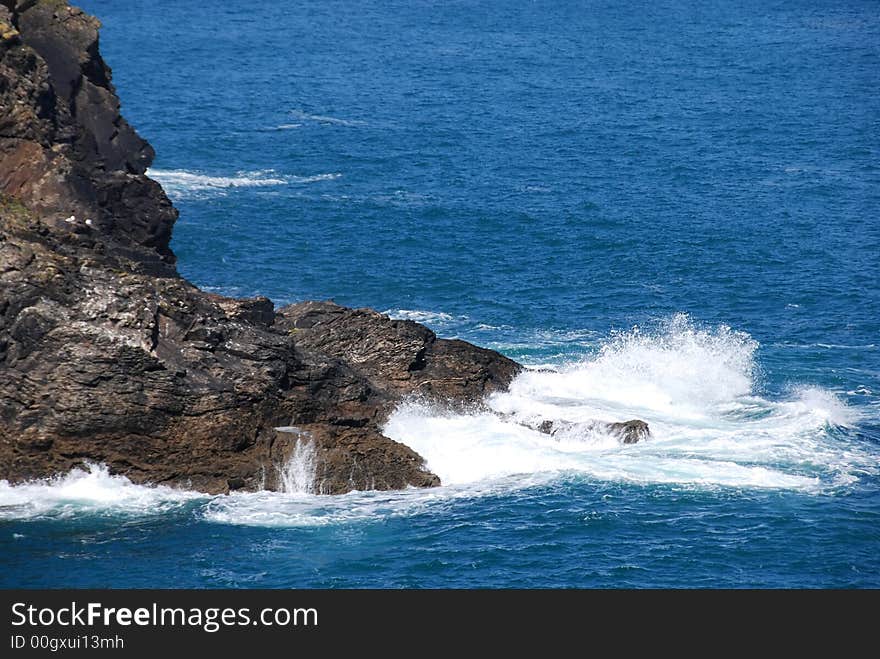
{"x":672,"y":207}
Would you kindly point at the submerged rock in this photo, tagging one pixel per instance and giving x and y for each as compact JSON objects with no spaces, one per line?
{"x":628,"y":432}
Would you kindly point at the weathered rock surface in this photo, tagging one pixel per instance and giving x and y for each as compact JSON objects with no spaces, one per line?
{"x":65,"y":151}
{"x":107,"y":355}
{"x":400,"y":356}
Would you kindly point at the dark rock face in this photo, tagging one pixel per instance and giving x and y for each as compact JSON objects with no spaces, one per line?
{"x":107,"y":355}
{"x":65,"y":151}
{"x":399,"y":355}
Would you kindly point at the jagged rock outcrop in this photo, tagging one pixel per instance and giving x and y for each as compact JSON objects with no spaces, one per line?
{"x":108,"y":355}
{"x":65,"y":151}
{"x":399,"y":355}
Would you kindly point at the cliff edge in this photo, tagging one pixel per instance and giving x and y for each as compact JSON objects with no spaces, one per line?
{"x":108,"y":355}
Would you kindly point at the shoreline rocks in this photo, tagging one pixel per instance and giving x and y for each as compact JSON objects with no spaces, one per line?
{"x":108,"y":355}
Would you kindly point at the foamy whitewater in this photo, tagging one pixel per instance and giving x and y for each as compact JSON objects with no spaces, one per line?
{"x":693,"y":386}
{"x":180,"y":184}
{"x":87,"y":491}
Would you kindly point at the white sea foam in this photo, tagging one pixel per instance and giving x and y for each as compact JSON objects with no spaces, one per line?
{"x":272,"y":509}
{"x":679,"y":370}
{"x":694,"y":387}
{"x":430,"y":318}
{"x":291,"y":510}
{"x":178,"y":178}
{"x":324,"y":119}
{"x":314,"y":179}
{"x":84,"y":491}
{"x":183,"y":184}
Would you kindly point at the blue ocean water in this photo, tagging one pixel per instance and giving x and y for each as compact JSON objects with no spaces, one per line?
{"x":674,"y":205}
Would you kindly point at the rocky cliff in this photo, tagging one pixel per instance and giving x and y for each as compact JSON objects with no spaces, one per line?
{"x":108,"y":355}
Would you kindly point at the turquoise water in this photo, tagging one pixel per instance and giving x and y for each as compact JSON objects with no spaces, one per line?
{"x":673,"y":206}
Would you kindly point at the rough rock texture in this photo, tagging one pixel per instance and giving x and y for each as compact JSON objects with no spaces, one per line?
{"x":399,"y":355}
{"x":65,"y":151}
{"x":107,"y":355}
